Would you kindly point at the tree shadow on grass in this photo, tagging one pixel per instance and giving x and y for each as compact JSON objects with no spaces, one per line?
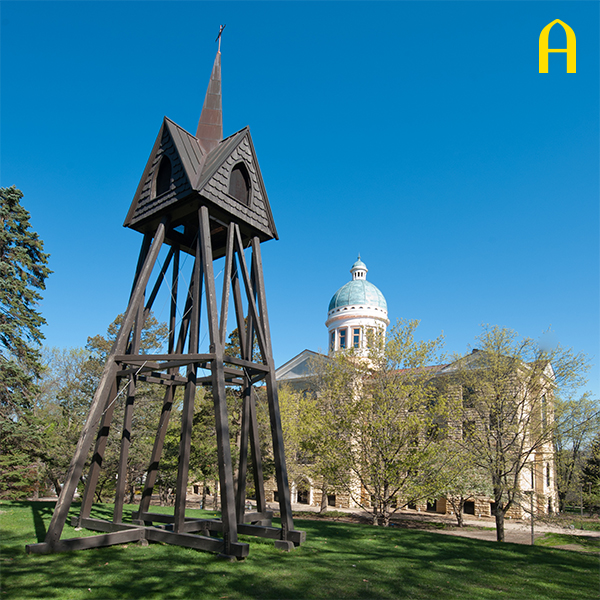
{"x":338,"y":560}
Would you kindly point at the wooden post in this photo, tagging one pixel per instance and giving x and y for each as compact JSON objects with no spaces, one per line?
{"x":229,"y":255}
{"x":285,"y":506}
{"x":187,"y":414}
{"x":98,"y":456}
{"x":99,"y":401}
{"x":243,"y":460}
{"x":259,"y":481}
{"x":165,"y":415}
{"x":218,"y":388}
{"x":127,"y":422}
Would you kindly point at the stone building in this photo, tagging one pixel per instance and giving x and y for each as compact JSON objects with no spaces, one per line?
{"x":358,"y":310}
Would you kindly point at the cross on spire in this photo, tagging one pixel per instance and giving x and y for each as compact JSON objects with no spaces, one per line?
{"x":219,"y":36}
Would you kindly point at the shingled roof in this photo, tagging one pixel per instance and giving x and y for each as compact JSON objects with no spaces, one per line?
{"x":198,"y":171}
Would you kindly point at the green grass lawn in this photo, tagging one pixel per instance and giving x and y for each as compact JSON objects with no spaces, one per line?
{"x":338,"y":560}
{"x":582,"y":542}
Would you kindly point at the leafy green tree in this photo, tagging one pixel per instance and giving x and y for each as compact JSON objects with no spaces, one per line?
{"x":462,"y":480}
{"x":62,"y":408}
{"x":297,"y":420}
{"x":511,"y":383}
{"x":23,"y":271}
{"x":152,"y":339}
{"x":307,"y":419}
{"x":385,"y":422}
{"x":146,"y":410}
{"x":67,"y":385}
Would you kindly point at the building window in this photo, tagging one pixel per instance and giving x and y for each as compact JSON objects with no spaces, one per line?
{"x":468,"y":396}
{"x":239,"y":183}
{"x":342,"y":335}
{"x":331,"y":500}
{"x":469,"y":507}
{"x":332,"y":341}
{"x":163,"y":177}
{"x":356,"y":337}
{"x":548,"y":475}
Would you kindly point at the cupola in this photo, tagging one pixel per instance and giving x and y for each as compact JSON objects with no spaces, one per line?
{"x":356,"y":309}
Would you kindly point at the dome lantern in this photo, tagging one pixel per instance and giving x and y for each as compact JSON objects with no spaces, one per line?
{"x":359,"y":270}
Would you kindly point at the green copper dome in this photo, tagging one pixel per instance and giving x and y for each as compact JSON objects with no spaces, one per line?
{"x":359,"y":292}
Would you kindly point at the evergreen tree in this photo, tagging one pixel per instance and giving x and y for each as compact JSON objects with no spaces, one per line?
{"x":23,"y":271}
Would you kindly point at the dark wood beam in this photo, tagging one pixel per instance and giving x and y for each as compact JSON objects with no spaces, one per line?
{"x":86,"y":439}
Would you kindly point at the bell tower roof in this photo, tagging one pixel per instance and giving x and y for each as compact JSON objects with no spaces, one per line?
{"x":185,"y":172}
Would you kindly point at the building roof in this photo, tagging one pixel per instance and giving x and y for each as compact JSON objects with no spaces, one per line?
{"x":300,"y":367}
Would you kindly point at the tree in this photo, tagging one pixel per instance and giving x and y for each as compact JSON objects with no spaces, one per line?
{"x":232,"y":348}
{"x":23,"y":271}
{"x":68,"y":381}
{"x":384,"y":422}
{"x":300,"y":426}
{"x":62,"y":407}
{"x":577,"y":425}
{"x":146,"y":411}
{"x":462,"y":480}
{"x":508,"y":386}
{"x":590,"y":476}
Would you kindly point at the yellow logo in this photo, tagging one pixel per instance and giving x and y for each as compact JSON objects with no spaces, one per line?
{"x":570,"y":49}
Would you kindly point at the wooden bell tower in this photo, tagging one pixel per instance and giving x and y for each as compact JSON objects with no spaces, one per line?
{"x":201,"y":195}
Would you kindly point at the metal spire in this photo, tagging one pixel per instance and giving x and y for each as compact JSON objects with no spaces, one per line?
{"x":210,"y":125}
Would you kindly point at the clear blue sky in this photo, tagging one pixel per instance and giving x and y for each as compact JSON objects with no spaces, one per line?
{"x":418,"y":134}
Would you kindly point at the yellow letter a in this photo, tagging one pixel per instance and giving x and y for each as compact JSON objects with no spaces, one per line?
{"x":570,"y":49}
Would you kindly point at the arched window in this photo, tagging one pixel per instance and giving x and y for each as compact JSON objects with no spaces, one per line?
{"x":163,"y":177}
{"x":239,"y":183}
